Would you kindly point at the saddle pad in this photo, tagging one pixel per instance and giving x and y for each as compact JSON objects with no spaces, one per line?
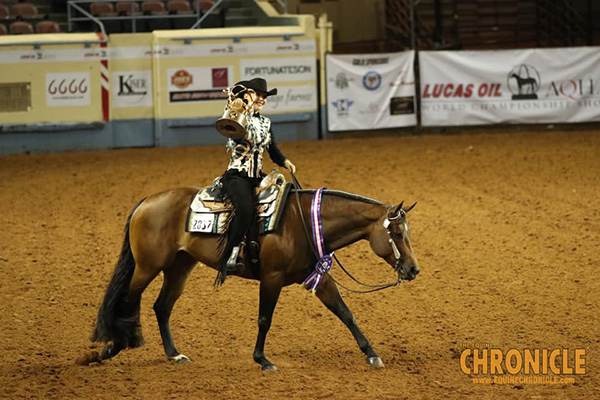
{"x":208,"y":216}
{"x":212,"y":199}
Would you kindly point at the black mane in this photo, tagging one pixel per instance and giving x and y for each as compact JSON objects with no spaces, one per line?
{"x":344,"y":195}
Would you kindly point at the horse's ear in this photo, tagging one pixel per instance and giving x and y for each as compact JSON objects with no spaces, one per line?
{"x":397,"y":210}
{"x":410,"y":208}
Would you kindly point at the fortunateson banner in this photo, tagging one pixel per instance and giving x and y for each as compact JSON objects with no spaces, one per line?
{"x":510,"y":86}
{"x":370,"y":91}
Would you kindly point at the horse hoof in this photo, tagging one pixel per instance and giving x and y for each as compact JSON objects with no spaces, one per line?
{"x":180,"y":359}
{"x":375,"y":362}
{"x":270,"y":367}
{"x":109,"y":351}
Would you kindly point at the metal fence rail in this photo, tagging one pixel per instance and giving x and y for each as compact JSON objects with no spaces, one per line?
{"x":75,"y":5}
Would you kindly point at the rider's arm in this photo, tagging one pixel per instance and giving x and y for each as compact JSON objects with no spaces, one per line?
{"x":274,"y":151}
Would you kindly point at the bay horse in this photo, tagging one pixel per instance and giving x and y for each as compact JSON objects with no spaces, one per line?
{"x":156,"y":240}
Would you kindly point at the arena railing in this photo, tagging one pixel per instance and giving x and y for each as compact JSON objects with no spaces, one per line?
{"x":87,"y":43}
{"x":237,"y":38}
{"x":198,"y":23}
{"x":283,"y":5}
{"x":76,"y":5}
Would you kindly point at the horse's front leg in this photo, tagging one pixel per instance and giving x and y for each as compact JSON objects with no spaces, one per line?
{"x":270,"y":288}
{"x":329,"y":294}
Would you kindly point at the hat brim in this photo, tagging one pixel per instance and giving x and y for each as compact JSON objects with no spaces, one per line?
{"x":269,"y":93}
{"x":252,"y":85}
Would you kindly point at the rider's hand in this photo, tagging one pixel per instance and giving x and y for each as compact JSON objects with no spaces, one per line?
{"x":289,"y":165}
{"x":250,"y":97}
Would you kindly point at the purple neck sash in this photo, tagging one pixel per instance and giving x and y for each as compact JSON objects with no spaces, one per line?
{"x":325,"y":260}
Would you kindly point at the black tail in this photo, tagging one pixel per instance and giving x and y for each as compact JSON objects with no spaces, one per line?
{"x":110,"y":326}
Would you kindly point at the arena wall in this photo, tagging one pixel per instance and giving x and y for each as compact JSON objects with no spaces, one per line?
{"x":78,"y":92}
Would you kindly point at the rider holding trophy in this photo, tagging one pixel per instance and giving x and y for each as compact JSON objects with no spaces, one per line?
{"x":250,"y":134}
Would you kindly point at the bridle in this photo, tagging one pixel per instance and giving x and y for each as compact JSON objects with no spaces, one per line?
{"x":398,"y":265}
{"x":386,"y":224}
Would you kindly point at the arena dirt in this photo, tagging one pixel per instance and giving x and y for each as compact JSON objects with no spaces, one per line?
{"x":506,"y":232}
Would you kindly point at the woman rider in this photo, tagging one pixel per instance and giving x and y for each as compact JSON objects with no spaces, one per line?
{"x":244,"y":172}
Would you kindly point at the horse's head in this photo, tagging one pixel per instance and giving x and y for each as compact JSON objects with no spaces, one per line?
{"x":390,"y":240}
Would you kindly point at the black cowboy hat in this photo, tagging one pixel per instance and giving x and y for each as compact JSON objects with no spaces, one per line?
{"x":258,"y":85}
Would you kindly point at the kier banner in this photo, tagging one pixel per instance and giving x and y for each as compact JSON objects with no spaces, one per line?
{"x":370,"y":91}
{"x":510,"y":86}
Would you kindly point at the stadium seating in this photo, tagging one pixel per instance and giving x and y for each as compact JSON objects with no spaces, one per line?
{"x":179,"y":7}
{"x":204,"y":5}
{"x":156,"y":8}
{"x":153,"y":8}
{"x":25,"y":10}
{"x":103,"y":10}
{"x":47,"y":27}
{"x":124,"y":8}
{"x":4,"y":12}
{"x":216,"y":19}
{"x":21,"y":28}
{"x":106,"y":10}
{"x":148,"y":15}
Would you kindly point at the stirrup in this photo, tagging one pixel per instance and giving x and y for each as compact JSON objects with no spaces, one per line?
{"x":232,"y":260}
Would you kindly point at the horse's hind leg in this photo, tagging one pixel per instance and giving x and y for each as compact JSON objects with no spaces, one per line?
{"x":329,"y":294}
{"x":270,"y":288}
{"x":175,"y":278}
{"x":129,"y":312}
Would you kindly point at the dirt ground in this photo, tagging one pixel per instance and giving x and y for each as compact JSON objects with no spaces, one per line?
{"x":506,"y":232}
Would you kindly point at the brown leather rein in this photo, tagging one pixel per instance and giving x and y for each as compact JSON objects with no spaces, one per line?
{"x":374,"y":288}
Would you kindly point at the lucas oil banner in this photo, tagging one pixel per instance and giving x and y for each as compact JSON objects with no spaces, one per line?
{"x":370,"y":91}
{"x":510,"y":86}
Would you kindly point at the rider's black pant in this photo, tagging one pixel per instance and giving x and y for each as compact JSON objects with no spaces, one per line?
{"x":240,"y":190}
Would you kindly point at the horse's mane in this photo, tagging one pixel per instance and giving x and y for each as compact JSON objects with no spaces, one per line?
{"x":344,"y":195}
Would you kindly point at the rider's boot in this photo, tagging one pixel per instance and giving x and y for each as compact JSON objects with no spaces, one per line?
{"x":253,"y":252}
{"x":232,"y":261}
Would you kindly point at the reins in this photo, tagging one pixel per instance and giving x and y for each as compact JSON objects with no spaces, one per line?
{"x":375,"y":288}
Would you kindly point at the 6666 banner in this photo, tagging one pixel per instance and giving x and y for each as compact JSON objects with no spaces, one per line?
{"x":370,"y":91}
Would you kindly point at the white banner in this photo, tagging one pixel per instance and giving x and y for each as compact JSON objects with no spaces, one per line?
{"x":45,"y":55}
{"x":68,"y":89}
{"x":289,"y":69}
{"x":132,"y":89}
{"x":370,"y":91}
{"x":236,"y":49}
{"x":510,"y":86}
{"x":293,"y":98}
{"x":198,"y":84}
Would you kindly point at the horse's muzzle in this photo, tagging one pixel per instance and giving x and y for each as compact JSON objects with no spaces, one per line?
{"x":409,"y":274}
{"x":414,"y":271}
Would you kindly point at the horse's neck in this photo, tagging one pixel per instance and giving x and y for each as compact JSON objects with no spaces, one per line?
{"x":347,"y":221}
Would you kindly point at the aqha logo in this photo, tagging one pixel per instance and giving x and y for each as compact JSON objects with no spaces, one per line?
{"x":181,"y":79}
{"x":524,"y":81}
{"x":220,"y":77}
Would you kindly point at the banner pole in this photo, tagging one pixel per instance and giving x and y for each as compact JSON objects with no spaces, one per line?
{"x":415,"y":47}
{"x":324,"y":49}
